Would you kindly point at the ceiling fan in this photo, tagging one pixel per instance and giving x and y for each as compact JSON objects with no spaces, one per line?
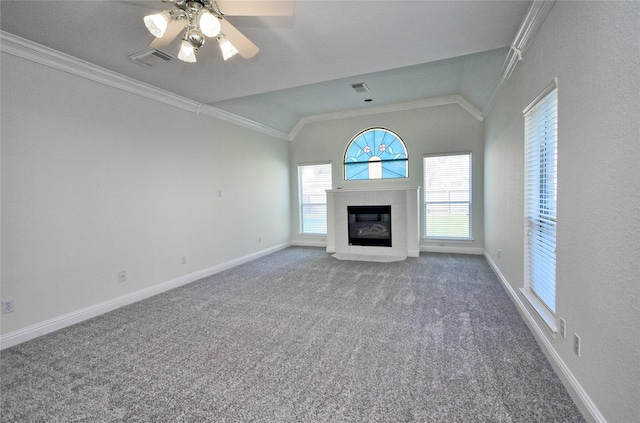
{"x":200,"y":19}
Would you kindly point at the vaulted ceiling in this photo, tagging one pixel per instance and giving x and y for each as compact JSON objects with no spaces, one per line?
{"x":404,"y":51}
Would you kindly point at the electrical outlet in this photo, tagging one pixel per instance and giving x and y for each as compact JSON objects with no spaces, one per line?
{"x":7,"y":306}
{"x":576,"y":344}
{"x":499,"y":252}
{"x":122,"y":276}
{"x":184,"y":259}
{"x":259,"y":240}
{"x":563,"y":328}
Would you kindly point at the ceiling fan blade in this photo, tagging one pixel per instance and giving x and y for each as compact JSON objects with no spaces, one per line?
{"x":256,"y":7}
{"x":173,"y":30}
{"x":244,"y":45}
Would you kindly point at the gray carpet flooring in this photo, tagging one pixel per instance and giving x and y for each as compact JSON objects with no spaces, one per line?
{"x":298,"y":336}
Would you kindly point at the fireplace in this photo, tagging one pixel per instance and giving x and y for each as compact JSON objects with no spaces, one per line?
{"x":369,"y":225}
{"x":405,"y":202}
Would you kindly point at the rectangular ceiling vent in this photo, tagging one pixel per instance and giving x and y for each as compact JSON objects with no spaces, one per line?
{"x":150,"y":57}
{"x":360,"y":87}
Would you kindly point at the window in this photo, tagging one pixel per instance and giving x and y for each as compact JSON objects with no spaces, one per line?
{"x":447,"y":196}
{"x":375,"y":153}
{"x":313,"y":180}
{"x":541,"y":156}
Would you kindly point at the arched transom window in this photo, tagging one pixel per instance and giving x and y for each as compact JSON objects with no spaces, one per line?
{"x":375,"y":153}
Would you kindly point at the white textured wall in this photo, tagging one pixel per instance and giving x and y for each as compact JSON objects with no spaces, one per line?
{"x":593,"y":48}
{"x":430,"y":130}
{"x":96,"y":181}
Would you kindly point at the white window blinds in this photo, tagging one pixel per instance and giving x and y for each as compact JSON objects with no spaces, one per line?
{"x":541,"y":154}
{"x":313,"y":181}
{"x":447,"y":196}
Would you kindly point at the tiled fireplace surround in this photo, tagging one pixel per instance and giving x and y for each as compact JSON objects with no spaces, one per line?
{"x":405,"y":227}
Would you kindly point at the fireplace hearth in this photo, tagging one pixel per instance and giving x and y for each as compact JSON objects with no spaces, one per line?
{"x":369,"y":225}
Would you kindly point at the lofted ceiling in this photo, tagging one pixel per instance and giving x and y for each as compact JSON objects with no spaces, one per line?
{"x":404,"y":51}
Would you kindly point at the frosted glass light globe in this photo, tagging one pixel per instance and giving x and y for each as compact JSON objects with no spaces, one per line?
{"x":228,"y":50}
{"x":187,"y":52}
{"x":209,"y":24}
{"x":157,"y":24}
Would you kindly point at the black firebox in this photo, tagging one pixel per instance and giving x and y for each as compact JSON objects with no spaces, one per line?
{"x":369,"y":225}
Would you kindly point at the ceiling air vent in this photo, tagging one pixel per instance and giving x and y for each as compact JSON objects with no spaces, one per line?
{"x":150,"y":57}
{"x":360,"y":87}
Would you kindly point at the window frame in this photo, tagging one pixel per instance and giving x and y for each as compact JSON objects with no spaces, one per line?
{"x":540,"y":205}
{"x":302,"y":204}
{"x":370,"y":154}
{"x":469,"y":202}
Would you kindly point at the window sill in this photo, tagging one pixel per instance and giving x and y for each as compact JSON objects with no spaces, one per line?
{"x":542,"y":311}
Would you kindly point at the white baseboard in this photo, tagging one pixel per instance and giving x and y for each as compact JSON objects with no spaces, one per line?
{"x":577,"y":392}
{"x":52,"y":325}
{"x":309,"y":243}
{"x":451,"y":249}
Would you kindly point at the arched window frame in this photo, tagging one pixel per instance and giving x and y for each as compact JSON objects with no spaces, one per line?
{"x":376,"y":153}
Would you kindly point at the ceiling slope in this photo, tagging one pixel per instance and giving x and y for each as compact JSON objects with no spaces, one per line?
{"x":406,"y":51}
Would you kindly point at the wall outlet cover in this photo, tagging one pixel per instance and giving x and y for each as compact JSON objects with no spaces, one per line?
{"x":7,"y":306}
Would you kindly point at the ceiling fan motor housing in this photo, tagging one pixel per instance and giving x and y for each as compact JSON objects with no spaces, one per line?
{"x":195,"y":37}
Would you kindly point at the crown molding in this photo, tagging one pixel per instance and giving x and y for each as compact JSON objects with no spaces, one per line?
{"x":46,"y":56}
{"x":411,"y":105}
{"x":28,"y":50}
{"x":206,"y":109}
{"x":533,"y":20}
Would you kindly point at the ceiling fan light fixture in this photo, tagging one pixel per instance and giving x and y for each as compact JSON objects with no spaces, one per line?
{"x":228,"y":50}
{"x":187,"y":52}
{"x":209,"y":24}
{"x":157,"y":24}
{"x":202,"y":19}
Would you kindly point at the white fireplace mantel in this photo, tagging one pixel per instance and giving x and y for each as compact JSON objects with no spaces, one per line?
{"x":405,"y":226}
